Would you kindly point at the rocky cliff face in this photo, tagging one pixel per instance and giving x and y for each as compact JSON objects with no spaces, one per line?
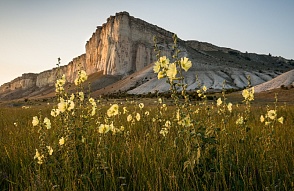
{"x":121,"y":46}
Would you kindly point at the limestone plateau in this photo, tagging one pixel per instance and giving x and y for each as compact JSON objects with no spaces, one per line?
{"x":120,"y":55}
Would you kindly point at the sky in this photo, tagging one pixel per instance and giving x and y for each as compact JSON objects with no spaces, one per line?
{"x":35,"y":33}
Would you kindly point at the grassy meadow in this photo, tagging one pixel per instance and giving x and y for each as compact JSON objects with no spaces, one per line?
{"x":136,"y":145}
{"x":82,"y":143}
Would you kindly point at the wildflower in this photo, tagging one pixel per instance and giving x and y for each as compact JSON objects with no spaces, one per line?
{"x":71,"y":105}
{"x":164,"y":62}
{"x":204,"y":88}
{"x":59,"y":84}
{"x":172,"y":71}
{"x":230,"y":107}
{"x":186,"y":63}
{"x":141,"y":105}
{"x":167,"y":124}
{"x":156,"y":67}
{"x":219,"y":102}
{"x":138,"y":117}
{"x":50,"y":150}
{"x":281,"y":120}
{"x":113,"y":110}
{"x":47,"y":123}
{"x":160,"y":75}
{"x":122,"y":128}
{"x":72,"y":97}
{"x":103,"y":128}
{"x":163,"y":131}
{"x":240,"y":121}
{"x":125,"y":110}
{"x":261,"y":119}
{"x":82,"y":96}
{"x":160,"y":100}
{"x":15,"y":124}
{"x":55,"y":112}
{"x":146,"y":113}
{"x":61,"y":141}
{"x":39,"y":157}
{"x":82,"y":77}
{"x":248,"y":94}
{"x":272,"y":114}
{"x":35,"y":121}
{"x":91,"y":100}
{"x":83,"y":139}
{"x":129,"y":118}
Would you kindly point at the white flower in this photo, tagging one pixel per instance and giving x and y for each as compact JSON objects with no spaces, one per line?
{"x":186,"y":63}
{"x":50,"y":150}
{"x":138,"y":117}
{"x":113,"y":110}
{"x":219,"y":102}
{"x":35,"y":121}
{"x":172,"y":71}
{"x":281,"y":120}
{"x":230,"y":107}
{"x":272,"y":114}
{"x":141,"y":105}
{"x":129,"y":118}
{"x":61,"y":141}
{"x":47,"y":123}
{"x":103,"y":128}
{"x":55,"y":112}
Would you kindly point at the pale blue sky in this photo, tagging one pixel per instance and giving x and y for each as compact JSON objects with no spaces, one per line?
{"x":34,"y":33}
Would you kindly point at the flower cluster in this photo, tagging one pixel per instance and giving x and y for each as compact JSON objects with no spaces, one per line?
{"x":270,"y":117}
{"x":248,"y":94}
{"x":164,"y":68}
{"x":59,"y":84}
{"x":82,"y":77}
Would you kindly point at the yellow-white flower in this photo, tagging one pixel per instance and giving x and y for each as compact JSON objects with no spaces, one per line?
{"x":163,"y":131}
{"x":160,"y":75}
{"x":156,"y":67}
{"x":82,"y":77}
{"x":125,"y":110}
{"x":261,"y":118}
{"x":103,"y":128}
{"x":186,"y":63}
{"x":50,"y":150}
{"x":219,"y":102}
{"x":47,"y":123}
{"x":248,"y":94}
{"x":39,"y":157}
{"x":55,"y":112}
{"x":230,"y":107}
{"x":141,"y":105}
{"x":35,"y":121}
{"x":138,"y":116}
{"x":164,"y":62}
{"x":172,"y":71}
{"x":129,"y":118}
{"x":61,"y":141}
{"x":146,"y":113}
{"x":240,"y":120}
{"x":281,"y":120}
{"x":204,"y":88}
{"x":82,"y":96}
{"x":272,"y":114}
{"x":113,"y":110}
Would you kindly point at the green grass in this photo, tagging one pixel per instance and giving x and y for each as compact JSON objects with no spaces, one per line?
{"x":255,"y":157}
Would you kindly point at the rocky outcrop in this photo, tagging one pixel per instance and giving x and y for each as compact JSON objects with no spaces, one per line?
{"x":124,"y":45}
